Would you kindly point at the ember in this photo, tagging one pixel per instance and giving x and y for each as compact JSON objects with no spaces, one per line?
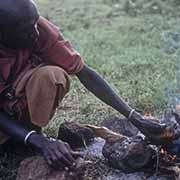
{"x":148,"y":114}
{"x":167,"y":157}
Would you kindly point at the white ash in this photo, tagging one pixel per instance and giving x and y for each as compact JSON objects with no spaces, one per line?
{"x":95,"y":148}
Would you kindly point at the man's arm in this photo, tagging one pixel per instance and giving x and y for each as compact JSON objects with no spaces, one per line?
{"x":94,"y":83}
{"x":57,"y":153}
{"x":99,"y":87}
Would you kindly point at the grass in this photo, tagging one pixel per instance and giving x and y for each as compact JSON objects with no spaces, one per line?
{"x":125,"y":46}
{"x":128,"y":44}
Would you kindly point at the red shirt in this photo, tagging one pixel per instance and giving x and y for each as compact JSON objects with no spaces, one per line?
{"x":53,"y":49}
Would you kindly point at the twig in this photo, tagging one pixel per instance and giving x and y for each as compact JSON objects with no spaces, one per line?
{"x":157,"y":162}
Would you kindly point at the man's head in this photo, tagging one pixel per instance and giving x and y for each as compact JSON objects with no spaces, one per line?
{"x":18,"y":20}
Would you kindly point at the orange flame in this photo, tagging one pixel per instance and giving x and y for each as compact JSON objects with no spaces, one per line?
{"x":162,"y":151}
{"x":167,"y":156}
{"x":148,"y":114}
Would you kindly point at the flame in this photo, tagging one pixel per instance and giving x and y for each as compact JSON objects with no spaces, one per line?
{"x":162,"y":151}
{"x":148,"y":114}
{"x":167,"y":156}
{"x":173,"y":157}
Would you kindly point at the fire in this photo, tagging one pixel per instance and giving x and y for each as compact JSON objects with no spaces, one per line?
{"x":148,"y":114}
{"x":173,"y":157}
{"x":167,"y":156}
{"x":162,"y":151}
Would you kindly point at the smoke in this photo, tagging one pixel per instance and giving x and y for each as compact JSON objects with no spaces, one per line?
{"x":171,"y":46}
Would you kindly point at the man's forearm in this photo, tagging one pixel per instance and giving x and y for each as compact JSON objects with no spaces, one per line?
{"x":156,"y":132}
{"x":57,"y":153}
{"x":94,"y":83}
{"x":15,"y":130}
{"x":11,"y":127}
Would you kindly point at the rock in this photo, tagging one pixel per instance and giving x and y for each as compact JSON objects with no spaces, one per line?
{"x":121,"y":126}
{"x":123,"y":176}
{"x":36,"y":168}
{"x":160,"y":178}
{"x":11,"y":154}
{"x":95,"y":148}
{"x":129,"y":154}
{"x":77,"y":135}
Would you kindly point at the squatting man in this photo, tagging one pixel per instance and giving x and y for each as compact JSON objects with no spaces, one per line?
{"x":35,"y":64}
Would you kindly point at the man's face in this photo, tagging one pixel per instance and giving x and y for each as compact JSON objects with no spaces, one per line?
{"x":23,"y":35}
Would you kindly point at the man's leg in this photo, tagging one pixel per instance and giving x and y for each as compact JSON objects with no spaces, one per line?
{"x":44,"y":90}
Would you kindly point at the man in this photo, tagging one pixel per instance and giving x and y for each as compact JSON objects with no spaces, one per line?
{"x":35,"y":64}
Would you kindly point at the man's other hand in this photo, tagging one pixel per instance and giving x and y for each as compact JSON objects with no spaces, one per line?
{"x":58,"y":154}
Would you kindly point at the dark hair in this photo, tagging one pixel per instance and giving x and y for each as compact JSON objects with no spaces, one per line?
{"x":13,"y":12}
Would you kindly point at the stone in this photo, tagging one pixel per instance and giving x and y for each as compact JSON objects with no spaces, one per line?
{"x":95,"y":148}
{"x":121,"y":126}
{"x":129,"y":154}
{"x":76,"y":134}
{"x":36,"y":168}
{"x":123,"y":176}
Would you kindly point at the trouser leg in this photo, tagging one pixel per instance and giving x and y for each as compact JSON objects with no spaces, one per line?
{"x":44,"y":90}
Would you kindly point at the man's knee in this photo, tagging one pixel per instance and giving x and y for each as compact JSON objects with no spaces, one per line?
{"x":47,"y":86}
{"x":51,"y":75}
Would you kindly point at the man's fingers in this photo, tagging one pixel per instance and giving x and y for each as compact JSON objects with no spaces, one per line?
{"x":54,"y":159}
{"x":48,"y":158}
{"x":57,"y":160}
{"x":70,"y":158}
{"x":77,"y":154}
{"x":49,"y":161}
{"x":70,"y":155}
{"x":66,"y":156}
{"x":59,"y":155}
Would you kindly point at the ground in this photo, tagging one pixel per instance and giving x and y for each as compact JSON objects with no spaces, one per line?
{"x":133,"y":44}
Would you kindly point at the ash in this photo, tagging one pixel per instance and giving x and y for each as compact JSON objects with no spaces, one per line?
{"x":95,"y":148}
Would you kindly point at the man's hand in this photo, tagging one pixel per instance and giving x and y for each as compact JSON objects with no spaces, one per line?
{"x":156,"y":132}
{"x":174,"y":147}
{"x":57,"y":153}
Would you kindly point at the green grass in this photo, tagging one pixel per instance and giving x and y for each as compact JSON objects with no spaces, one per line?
{"x":125,"y":48}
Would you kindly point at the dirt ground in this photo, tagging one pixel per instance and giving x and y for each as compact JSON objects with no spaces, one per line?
{"x":11,"y":154}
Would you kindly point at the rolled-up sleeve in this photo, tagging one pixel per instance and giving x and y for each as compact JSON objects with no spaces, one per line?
{"x":52,"y":48}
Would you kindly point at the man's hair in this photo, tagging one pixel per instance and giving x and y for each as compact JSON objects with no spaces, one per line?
{"x":13,"y":12}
